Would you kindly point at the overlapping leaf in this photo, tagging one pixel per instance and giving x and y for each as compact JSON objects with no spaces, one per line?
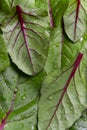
{"x":53,"y":62}
{"x":27,"y":40}
{"x":62,"y":51}
{"x":26,"y":36}
{"x":56,"y":117}
{"x":24,"y":111}
{"x":75,"y":20}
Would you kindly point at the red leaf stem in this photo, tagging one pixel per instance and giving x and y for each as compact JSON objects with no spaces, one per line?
{"x":50,"y":14}
{"x":77,"y":16}
{"x":19,"y":12}
{"x":3,"y":123}
{"x":75,"y":66}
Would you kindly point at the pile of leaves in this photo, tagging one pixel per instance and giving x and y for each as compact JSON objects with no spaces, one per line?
{"x":43,"y":64}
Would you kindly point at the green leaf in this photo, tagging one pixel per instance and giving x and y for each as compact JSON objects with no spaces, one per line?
{"x":24,"y":110}
{"x":75,"y":20}
{"x":41,"y":4}
{"x":69,"y":51}
{"x":81,"y":123}
{"x":53,"y":62}
{"x":62,"y":51}
{"x":26,"y":37}
{"x":29,"y":102}
{"x":53,"y":116}
{"x":2,"y":17}
{"x":4,"y":60}
{"x":84,"y":4}
{"x":57,"y":10}
{"x":6,"y":5}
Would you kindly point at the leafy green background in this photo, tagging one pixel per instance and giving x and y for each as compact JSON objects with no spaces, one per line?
{"x":38,"y":95}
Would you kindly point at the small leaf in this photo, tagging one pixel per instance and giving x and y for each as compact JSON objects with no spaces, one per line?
{"x":4,"y":60}
{"x":27,"y":40}
{"x":75,"y":20}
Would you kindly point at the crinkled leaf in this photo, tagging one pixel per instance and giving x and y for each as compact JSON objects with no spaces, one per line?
{"x":4,"y":60}
{"x":81,"y":123}
{"x":59,"y":117}
{"x":75,"y":20}
{"x":24,"y":111}
{"x":26,"y":37}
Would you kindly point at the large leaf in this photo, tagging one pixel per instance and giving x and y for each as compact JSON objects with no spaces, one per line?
{"x":60,"y":107}
{"x":18,"y":100}
{"x":27,"y":40}
{"x":75,"y":20}
{"x":4,"y":60}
